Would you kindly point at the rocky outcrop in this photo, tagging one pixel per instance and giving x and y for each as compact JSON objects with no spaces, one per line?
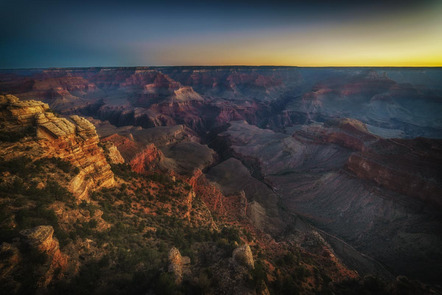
{"x":50,"y":127}
{"x":177,"y":264}
{"x":396,"y":99}
{"x":312,"y":179}
{"x":189,"y":156}
{"x":148,"y":159}
{"x":74,"y":140}
{"x":77,"y":142}
{"x":112,"y":153}
{"x":16,"y":115}
{"x":209,"y":192}
{"x":66,"y":83}
{"x":348,"y":133}
{"x":243,"y":256}
{"x":158,"y":87}
{"x":253,"y":199}
{"x":41,"y":239}
{"x":131,"y":140}
{"x":125,"y":146}
{"x":186,"y":94}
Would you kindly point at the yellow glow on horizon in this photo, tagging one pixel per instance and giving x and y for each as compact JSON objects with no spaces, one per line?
{"x":356,"y":55}
{"x":403,"y":41}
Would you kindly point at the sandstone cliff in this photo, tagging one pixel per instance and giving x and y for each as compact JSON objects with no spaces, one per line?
{"x":113,"y":154}
{"x":16,"y":115}
{"x":74,"y":140}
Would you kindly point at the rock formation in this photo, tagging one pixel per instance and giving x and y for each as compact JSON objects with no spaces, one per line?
{"x":73,"y":139}
{"x":244,"y":257}
{"x":16,"y":115}
{"x":41,"y":239}
{"x":403,"y":101}
{"x":177,"y":264}
{"x":326,"y":182}
{"x":112,"y":153}
{"x":150,"y":158}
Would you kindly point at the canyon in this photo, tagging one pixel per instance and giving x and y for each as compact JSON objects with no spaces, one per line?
{"x":342,"y":165}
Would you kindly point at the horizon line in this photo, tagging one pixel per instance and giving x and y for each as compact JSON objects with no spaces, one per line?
{"x":213,"y":66}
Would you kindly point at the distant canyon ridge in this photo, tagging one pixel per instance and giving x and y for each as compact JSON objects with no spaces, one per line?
{"x":392,"y":102}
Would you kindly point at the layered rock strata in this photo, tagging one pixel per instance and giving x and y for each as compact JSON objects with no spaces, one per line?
{"x":74,"y":140}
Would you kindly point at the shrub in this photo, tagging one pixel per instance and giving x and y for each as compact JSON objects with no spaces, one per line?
{"x":123,"y":171}
{"x":61,"y":164}
{"x":231,"y":234}
{"x":259,"y":273}
{"x":166,"y":284}
{"x":28,"y":218}
{"x":16,"y":166}
{"x":58,"y":192}
{"x":87,"y":206}
{"x":16,"y":136}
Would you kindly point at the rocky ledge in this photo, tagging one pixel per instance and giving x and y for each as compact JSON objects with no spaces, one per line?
{"x":41,"y":239}
{"x":74,"y":140}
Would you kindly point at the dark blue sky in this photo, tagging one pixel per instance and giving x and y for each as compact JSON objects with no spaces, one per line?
{"x":129,"y":33}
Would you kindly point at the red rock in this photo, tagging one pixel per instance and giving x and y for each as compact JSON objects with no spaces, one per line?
{"x":146,"y":160}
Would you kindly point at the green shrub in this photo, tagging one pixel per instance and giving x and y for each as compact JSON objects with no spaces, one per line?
{"x":166,"y":284}
{"x":259,"y":274}
{"x":16,"y":136}
{"x":123,"y":171}
{"x":61,"y":164}
{"x":88,"y":206}
{"x":15,"y":166}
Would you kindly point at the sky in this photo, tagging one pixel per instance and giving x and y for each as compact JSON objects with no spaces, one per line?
{"x":56,"y":33}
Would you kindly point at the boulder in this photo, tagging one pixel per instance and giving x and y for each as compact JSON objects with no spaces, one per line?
{"x":40,"y":238}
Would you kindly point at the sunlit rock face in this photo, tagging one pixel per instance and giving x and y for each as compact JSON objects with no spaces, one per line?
{"x":73,"y":139}
{"x":17,"y":115}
